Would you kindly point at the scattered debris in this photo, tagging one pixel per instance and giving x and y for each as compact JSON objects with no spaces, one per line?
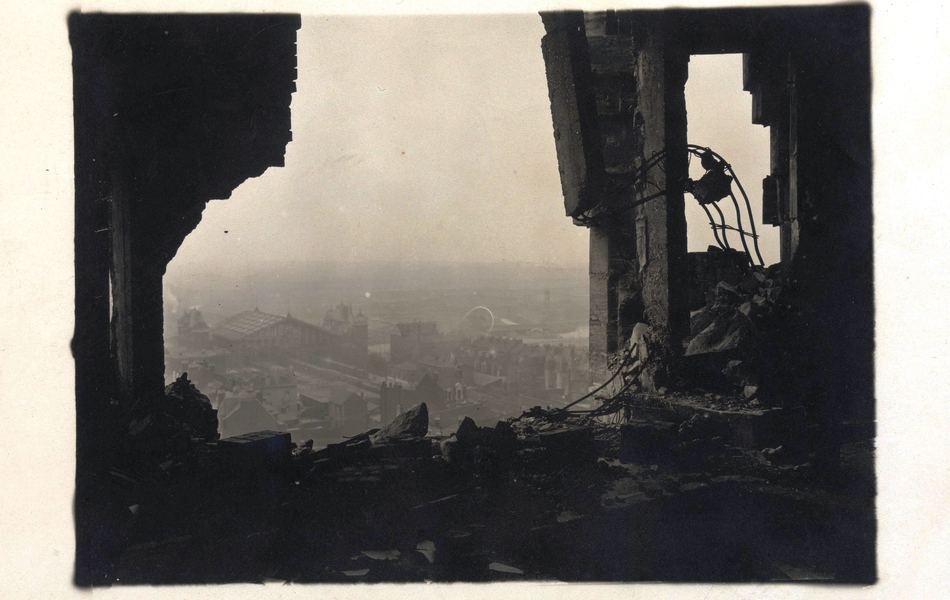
{"x":427,"y":549}
{"x":503,"y":568}
{"x":568,"y":516}
{"x":482,"y":448}
{"x":381,"y":554}
{"x":436,"y":501}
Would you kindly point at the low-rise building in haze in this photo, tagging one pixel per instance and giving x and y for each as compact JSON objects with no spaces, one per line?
{"x":254,"y":335}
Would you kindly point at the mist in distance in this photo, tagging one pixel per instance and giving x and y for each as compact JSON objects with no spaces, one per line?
{"x":421,"y":139}
{"x":416,"y":139}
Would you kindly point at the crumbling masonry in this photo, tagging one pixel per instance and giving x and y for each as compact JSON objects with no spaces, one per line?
{"x":171,"y":111}
{"x":616,"y":81}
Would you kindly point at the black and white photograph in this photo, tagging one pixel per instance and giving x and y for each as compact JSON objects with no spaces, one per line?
{"x":537,"y":295}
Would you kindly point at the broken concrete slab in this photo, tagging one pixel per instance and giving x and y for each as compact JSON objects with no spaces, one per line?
{"x":503,"y":568}
{"x":427,"y":549}
{"x":414,"y":423}
{"x":729,"y":330}
{"x":265,"y":446}
{"x":700,"y":320}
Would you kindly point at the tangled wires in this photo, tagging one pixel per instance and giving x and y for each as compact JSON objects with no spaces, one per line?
{"x":713,"y":186}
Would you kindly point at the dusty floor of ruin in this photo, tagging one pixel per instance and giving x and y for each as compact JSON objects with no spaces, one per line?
{"x":717,"y":513}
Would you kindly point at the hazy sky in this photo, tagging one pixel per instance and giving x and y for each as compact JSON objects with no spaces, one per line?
{"x":430,"y":139}
{"x":719,"y":116}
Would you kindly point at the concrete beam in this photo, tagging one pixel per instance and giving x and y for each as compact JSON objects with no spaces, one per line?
{"x":573,"y":110}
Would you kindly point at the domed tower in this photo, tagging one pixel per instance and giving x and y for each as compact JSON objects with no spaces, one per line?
{"x":338,"y":319}
{"x":192,"y":329}
{"x":359,"y":335}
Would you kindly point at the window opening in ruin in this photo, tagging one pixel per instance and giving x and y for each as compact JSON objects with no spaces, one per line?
{"x":719,"y":114}
{"x":419,"y":200}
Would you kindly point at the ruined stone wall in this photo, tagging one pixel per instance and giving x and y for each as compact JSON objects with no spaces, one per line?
{"x":809,"y":73}
{"x":637,"y":256}
{"x":661,"y":223}
{"x":170,"y":111}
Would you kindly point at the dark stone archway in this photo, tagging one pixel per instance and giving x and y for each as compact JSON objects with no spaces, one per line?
{"x":170,"y":111}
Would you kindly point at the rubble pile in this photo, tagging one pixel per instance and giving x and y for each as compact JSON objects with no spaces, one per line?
{"x":171,"y":426}
{"x":555,"y":433}
{"x":392,"y":504}
{"x":737,"y":340}
{"x":403,"y":438}
{"x":481,"y":448}
{"x":643,"y":364}
{"x":193,"y":409}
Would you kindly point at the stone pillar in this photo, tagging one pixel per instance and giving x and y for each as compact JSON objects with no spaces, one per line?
{"x":137,"y":316}
{"x":635,"y":72}
{"x":170,"y":110}
{"x":603,"y":305}
{"x":661,"y":223}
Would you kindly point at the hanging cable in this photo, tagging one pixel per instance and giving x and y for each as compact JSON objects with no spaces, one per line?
{"x":739,"y":221}
{"x":715,"y":185}
{"x":712,"y":187}
{"x":748,"y":205}
{"x":722,"y":225}
{"x":623,"y":364}
{"x":713,"y":225}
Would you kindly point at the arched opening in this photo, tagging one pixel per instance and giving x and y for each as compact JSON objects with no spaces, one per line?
{"x":418,"y":186}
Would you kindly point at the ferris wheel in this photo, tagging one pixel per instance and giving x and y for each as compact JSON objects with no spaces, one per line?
{"x":477,"y":321}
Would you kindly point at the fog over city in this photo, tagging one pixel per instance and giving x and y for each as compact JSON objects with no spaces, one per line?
{"x":421,"y":186}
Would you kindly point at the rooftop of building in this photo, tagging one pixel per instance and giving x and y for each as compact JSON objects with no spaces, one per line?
{"x":249,"y":322}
